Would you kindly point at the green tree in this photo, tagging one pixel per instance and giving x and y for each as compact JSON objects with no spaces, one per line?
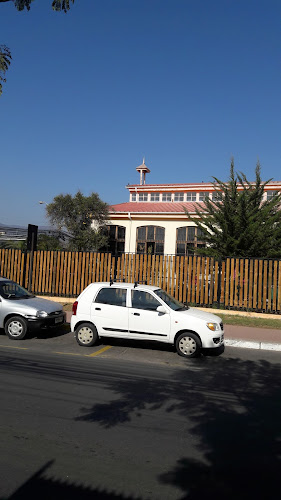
{"x":47,"y":242}
{"x":83,"y":217}
{"x":11,"y":244}
{"x":240,"y":223}
{"x":5,"y":54}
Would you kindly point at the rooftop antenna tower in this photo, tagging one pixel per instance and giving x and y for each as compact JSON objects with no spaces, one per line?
{"x":143,"y":170}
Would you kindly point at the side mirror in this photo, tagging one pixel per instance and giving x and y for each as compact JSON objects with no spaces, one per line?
{"x":161,"y":309}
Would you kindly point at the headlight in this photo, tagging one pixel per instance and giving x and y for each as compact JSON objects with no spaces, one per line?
{"x":41,"y":314}
{"x":213,"y":326}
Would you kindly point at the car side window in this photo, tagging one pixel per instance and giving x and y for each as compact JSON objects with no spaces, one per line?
{"x":112,"y":296}
{"x":144,"y":300}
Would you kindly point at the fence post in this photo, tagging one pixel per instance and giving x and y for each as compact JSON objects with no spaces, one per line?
{"x":24,"y":268}
{"x":115,"y":267}
{"x":219,"y":283}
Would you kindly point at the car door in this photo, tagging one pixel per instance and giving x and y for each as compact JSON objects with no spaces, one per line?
{"x":145,"y":322}
{"x":109,"y":312}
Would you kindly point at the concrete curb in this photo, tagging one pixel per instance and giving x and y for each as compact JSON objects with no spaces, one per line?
{"x":247,"y":344}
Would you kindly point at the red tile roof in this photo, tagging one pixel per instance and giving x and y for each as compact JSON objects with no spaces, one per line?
{"x":184,"y":184}
{"x":147,"y":207}
{"x":197,"y":186}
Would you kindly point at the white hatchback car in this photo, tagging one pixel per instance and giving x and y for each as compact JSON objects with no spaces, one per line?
{"x":143,"y":312}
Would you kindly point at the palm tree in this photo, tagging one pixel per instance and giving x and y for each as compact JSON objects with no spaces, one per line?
{"x":5,"y":54}
{"x":5,"y":61}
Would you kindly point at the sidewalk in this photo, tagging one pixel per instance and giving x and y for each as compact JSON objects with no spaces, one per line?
{"x":253,"y":338}
{"x":245,"y":336}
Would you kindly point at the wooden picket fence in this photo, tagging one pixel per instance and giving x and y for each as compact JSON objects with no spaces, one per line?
{"x":248,"y":284}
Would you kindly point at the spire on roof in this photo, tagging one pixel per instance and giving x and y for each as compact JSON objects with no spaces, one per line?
{"x":143,"y":170}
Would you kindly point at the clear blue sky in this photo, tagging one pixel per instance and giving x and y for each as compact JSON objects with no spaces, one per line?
{"x":185,"y":83}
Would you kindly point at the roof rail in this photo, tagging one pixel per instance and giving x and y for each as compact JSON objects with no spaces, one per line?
{"x":111,"y":282}
{"x":122,"y":280}
{"x":138,"y":282}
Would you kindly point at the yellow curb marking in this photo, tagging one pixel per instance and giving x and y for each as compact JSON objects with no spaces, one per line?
{"x":100,"y":351}
{"x":13,"y":347}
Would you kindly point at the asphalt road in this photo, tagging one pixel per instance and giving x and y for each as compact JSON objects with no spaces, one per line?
{"x":132,"y":422}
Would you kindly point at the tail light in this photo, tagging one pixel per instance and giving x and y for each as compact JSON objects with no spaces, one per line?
{"x":74,"y":308}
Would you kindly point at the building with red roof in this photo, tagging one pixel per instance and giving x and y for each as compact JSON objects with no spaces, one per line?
{"x":154,"y":219}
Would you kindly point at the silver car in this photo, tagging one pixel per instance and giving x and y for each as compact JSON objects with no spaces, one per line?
{"x":21,"y":311}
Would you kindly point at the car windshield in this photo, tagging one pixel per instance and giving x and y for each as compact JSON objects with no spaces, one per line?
{"x":173,"y":303}
{"x":13,"y":291}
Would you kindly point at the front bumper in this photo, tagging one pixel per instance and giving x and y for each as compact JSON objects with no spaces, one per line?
{"x":50,"y":321}
{"x":216,"y":339}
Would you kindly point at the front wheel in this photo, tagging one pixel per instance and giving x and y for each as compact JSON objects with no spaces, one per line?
{"x":16,"y":328}
{"x":86,"y":334}
{"x":188,"y":345}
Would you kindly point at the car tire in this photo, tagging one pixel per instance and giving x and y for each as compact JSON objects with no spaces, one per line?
{"x":86,"y":334}
{"x":188,"y":345}
{"x":16,"y":328}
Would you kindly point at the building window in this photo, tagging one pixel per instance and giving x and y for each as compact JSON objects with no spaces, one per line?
{"x":203,"y":195}
{"x":178,"y":196}
{"x":166,"y":197}
{"x":133,"y":197}
{"x":150,"y":239}
{"x":270,"y":195}
{"x":188,"y":239}
{"x":143,"y":196}
{"x":154,"y":197}
{"x":217,"y":196}
{"x":116,"y":239}
{"x":190,"y":196}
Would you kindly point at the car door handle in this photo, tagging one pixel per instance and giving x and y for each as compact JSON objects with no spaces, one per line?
{"x":97,"y":308}
{"x":136,"y":314}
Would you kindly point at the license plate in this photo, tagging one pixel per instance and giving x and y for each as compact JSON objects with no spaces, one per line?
{"x":58,"y":320}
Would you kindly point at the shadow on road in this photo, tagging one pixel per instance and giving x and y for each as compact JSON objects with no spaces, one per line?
{"x":234,"y":409}
{"x":47,"y":333}
{"x":42,"y":333}
{"x":231,"y":408}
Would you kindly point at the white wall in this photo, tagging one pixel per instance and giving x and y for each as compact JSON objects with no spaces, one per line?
{"x":170,"y":232}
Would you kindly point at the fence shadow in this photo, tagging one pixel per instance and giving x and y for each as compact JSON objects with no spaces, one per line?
{"x":44,"y":488}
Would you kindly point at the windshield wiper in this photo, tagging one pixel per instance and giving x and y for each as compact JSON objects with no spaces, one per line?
{"x":183,"y":308}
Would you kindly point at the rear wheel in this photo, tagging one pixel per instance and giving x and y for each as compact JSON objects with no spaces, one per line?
{"x":86,"y":334}
{"x":16,"y":328}
{"x":188,"y":345}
